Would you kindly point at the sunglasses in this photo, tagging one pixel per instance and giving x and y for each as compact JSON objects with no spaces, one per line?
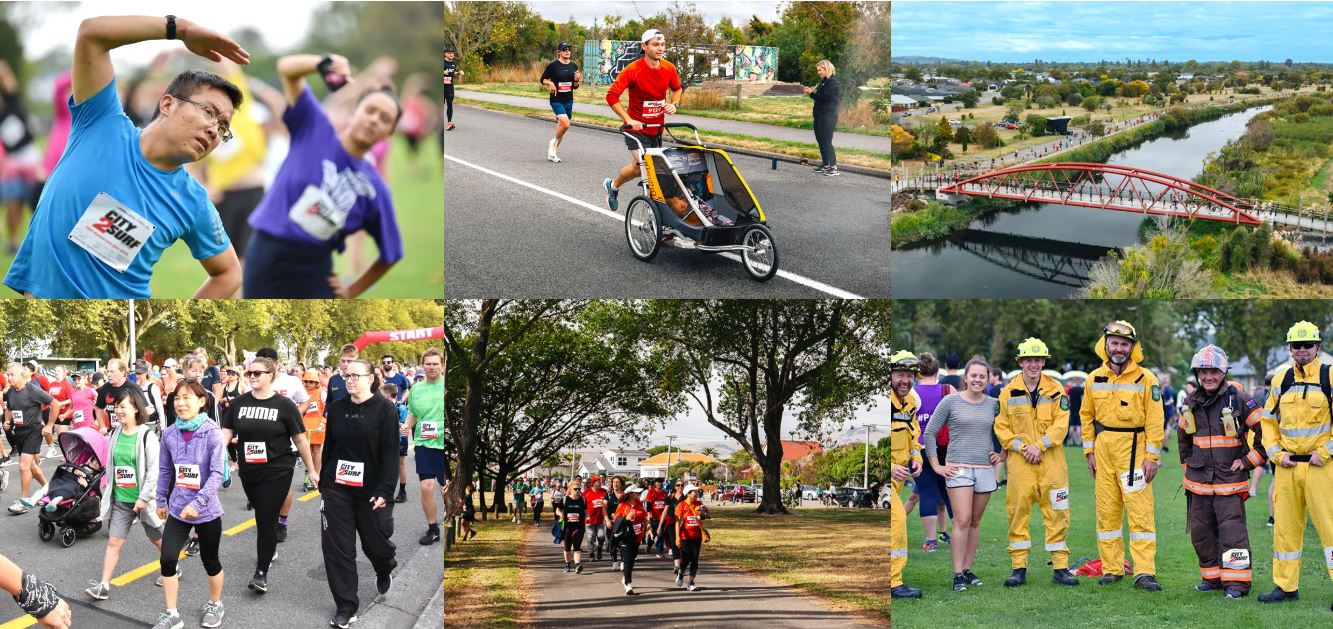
{"x":310,"y":381}
{"x":1303,"y":345}
{"x":255,"y":374}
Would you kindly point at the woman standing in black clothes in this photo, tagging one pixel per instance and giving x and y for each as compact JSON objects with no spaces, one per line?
{"x":826,"y":96}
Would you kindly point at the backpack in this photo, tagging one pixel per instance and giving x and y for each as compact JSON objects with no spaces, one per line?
{"x":1289,"y":380}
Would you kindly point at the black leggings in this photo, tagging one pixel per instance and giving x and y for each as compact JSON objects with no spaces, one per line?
{"x":669,"y":539}
{"x":574,"y":537}
{"x":629,"y":551}
{"x":174,"y":536}
{"x":266,"y":490}
{"x":449,"y":104}
{"x":824,"y":125}
{"x":689,"y":555}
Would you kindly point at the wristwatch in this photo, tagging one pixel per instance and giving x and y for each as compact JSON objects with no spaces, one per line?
{"x":171,"y":27}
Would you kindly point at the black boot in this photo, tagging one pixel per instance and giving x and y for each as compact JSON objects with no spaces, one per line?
{"x":1108,"y":579}
{"x":1147,"y":582}
{"x":1279,"y":595}
{"x":1208,"y":586}
{"x":905,"y":591}
{"x":1017,"y":578}
{"x":1063,"y":577}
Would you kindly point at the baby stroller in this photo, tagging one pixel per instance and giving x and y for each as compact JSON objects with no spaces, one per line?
{"x":697,"y":193}
{"x":72,"y":504}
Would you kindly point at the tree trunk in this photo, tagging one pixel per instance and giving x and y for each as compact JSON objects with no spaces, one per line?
{"x":501,"y":505}
{"x":476,"y":385}
{"x":771,"y":463}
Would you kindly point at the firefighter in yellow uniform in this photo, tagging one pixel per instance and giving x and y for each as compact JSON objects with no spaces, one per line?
{"x":1123,"y":404}
{"x":1032,"y":420}
{"x":904,"y":461}
{"x":1296,"y":438}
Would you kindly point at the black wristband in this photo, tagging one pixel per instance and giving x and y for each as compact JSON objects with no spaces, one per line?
{"x":171,"y":27}
{"x":36,"y":597}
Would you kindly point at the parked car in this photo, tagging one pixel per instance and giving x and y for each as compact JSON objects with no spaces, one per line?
{"x":737,"y":493}
{"x":1010,"y":125}
{"x":809,"y":492}
{"x":849,"y":496}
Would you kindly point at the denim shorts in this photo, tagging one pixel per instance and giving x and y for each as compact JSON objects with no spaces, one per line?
{"x":563,"y":109}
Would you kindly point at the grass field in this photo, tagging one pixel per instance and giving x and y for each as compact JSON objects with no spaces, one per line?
{"x":481,"y":577}
{"x":1042,"y":603}
{"x":419,"y":200}
{"x":810,"y":151}
{"x":836,"y":553}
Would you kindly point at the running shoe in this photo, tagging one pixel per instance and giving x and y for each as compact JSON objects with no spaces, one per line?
{"x":51,"y":453}
{"x":192,"y":548}
{"x":1270,"y":520}
{"x":972,"y":579}
{"x":831,"y":171}
{"x":680,"y":579}
{"x":692,"y":588}
{"x":213,"y":613}
{"x":431,"y":536}
{"x":258,"y":583}
{"x":383,"y":582}
{"x":567,"y":567}
{"x":659,"y":556}
{"x":820,"y":169}
{"x":578,"y":568}
{"x":169,"y":621}
{"x":930,"y":547}
{"x":98,"y":590}
{"x":402,"y":497}
{"x":1234,"y":593}
{"x":629,"y":589}
{"x":308,"y":486}
{"x":282,"y":532}
{"x":19,"y":508}
{"x":959,"y":583}
{"x":448,"y":128}
{"x":342,"y":620}
{"x":550,"y":152}
{"x":944,"y":537}
{"x":612,"y":195}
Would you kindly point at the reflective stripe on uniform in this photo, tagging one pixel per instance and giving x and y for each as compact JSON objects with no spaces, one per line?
{"x":1218,"y":441}
{"x":898,"y":553}
{"x":1212,"y":572}
{"x":1273,"y":449}
{"x":1057,"y":546}
{"x":1286,"y":556}
{"x":1020,"y":545}
{"x":1305,"y":432}
{"x":1218,"y":489}
{"x":1088,"y":444}
{"x":1236,"y":575}
{"x":1254,"y":458}
{"x":1047,"y":441}
{"x":1018,"y":444}
{"x":1267,"y":415}
{"x":1152,"y":449}
{"x":1112,"y":386}
{"x":1253,"y":418}
{"x":1018,"y":400}
{"x":902,"y":417}
{"x":1142,"y":536}
{"x":1105,"y":535}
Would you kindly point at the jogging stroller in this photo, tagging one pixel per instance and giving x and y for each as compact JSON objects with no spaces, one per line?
{"x":72,"y":502}
{"x":698,"y":193}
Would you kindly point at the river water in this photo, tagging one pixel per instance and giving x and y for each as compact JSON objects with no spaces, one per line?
{"x":1045,"y":250}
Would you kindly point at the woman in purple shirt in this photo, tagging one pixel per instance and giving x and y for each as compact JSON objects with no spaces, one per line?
{"x":189,"y":473}
{"x":325,"y":191}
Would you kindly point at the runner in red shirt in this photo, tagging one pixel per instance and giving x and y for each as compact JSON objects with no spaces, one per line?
{"x":598,"y":516}
{"x":654,"y":91}
{"x":655,"y":503}
{"x":60,"y":390}
{"x":690,"y":532}
{"x":666,"y":528}
{"x":632,"y":510}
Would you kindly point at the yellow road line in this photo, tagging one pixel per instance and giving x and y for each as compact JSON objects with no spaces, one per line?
{"x":239,"y":527}
{"x":308,"y":497}
{"x":19,"y":623}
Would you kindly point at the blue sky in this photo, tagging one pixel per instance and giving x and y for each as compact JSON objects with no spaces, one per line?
{"x":1015,"y":32}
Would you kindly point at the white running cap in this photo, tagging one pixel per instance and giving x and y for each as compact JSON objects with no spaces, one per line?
{"x":691,"y":487}
{"x":634,"y":489}
{"x":650,"y":34}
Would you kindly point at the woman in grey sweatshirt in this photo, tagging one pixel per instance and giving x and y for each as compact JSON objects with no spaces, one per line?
{"x":969,"y":472}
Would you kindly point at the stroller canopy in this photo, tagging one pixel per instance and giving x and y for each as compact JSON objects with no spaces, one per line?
{"x":85,"y":446}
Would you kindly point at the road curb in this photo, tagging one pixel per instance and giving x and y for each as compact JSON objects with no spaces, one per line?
{"x":416,"y":598}
{"x":858,"y":170}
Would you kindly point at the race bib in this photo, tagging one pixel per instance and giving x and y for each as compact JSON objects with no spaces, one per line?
{"x":574,"y":516}
{"x":659,"y":505}
{"x":187,"y":476}
{"x":1236,"y":559}
{"x":691,"y":521}
{"x":125,"y":476}
{"x":111,"y":232}
{"x":564,"y":87}
{"x":350,"y":473}
{"x":430,"y":429}
{"x":78,"y":416}
{"x":1060,"y":498}
{"x":317,"y":214}
{"x":598,"y":503}
{"x":448,"y":80}
{"x":1136,"y":483}
{"x":256,"y":452}
{"x":18,"y":417}
{"x":652,"y":109}
{"x":54,"y":391}
{"x":638,"y":528}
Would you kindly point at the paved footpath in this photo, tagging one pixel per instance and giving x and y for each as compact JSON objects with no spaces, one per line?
{"x":841,"y":139}
{"x":726,"y":597}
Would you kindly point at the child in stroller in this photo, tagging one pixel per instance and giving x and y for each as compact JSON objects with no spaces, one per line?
{"x":71,"y":500}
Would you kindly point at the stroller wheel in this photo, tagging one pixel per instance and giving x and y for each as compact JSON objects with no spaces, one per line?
{"x":67,"y":537}
{"x":643,"y":229}
{"x":761,"y":260}
{"x":46,"y":530}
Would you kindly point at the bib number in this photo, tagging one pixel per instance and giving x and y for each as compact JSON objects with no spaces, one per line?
{"x":1236,"y":559}
{"x":598,"y":504}
{"x":430,"y":429}
{"x":18,"y":418}
{"x":256,"y":452}
{"x":574,"y":517}
{"x":652,"y":109}
{"x":564,"y":87}
{"x":78,"y":416}
{"x":350,"y":473}
{"x":691,"y":521}
{"x":1133,"y":483}
{"x":317,"y":214}
{"x":125,"y":477}
{"x":111,"y":232}
{"x":1060,"y":498}
{"x":187,"y":476}
{"x":448,"y":80}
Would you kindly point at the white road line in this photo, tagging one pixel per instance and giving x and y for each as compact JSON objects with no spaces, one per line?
{"x":787,"y":275}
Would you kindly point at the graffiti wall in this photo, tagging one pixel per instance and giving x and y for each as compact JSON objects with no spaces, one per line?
{"x":604,"y":59}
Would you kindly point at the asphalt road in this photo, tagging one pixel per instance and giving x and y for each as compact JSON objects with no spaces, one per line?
{"x":518,"y":226}
{"x":298,"y":593}
{"x":726,"y":597}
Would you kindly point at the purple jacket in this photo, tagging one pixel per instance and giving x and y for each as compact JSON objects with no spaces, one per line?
{"x":204,"y":451}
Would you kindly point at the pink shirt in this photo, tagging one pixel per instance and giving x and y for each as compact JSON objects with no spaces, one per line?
{"x":83,"y":399}
{"x":55,"y":145}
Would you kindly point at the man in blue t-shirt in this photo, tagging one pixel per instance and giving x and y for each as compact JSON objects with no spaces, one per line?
{"x":393,"y":376}
{"x":119,"y":198}
{"x":324,"y":192}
